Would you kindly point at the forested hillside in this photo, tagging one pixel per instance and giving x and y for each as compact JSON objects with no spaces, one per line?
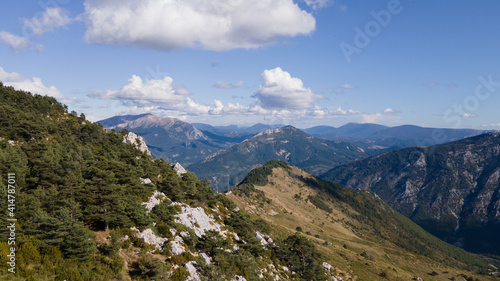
{"x":91,"y":206}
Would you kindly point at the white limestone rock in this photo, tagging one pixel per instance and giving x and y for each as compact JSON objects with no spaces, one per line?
{"x":260,"y":236}
{"x":198,"y":220}
{"x":176,"y":246}
{"x":136,"y":140}
{"x":193,"y":272}
{"x":154,"y":200}
{"x":145,"y":181}
{"x":150,"y":238}
{"x":206,"y":258}
{"x":179,"y":169}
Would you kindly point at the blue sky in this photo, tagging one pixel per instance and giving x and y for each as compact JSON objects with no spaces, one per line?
{"x":304,"y":63}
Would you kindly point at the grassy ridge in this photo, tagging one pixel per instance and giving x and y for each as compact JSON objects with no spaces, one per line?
{"x":353,"y":228}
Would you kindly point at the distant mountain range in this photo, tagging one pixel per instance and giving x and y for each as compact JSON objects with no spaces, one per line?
{"x":452,"y":190}
{"x":171,"y":138}
{"x":203,"y":146}
{"x":374,"y":136}
{"x":229,"y":167}
{"x":235,"y":131}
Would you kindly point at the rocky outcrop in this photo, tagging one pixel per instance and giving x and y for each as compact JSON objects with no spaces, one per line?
{"x":452,"y":190}
{"x":150,"y":238}
{"x":154,"y":200}
{"x":179,"y":169}
{"x":136,"y":140}
{"x":198,"y":220}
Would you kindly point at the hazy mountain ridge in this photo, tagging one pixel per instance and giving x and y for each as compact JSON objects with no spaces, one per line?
{"x":451,"y":189}
{"x":374,"y":135}
{"x":171,"y":138}
{"x":229,"y":167}
{"x":236,"y":131}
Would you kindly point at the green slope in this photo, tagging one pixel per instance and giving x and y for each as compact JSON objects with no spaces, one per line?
{"x":353,"y":228}
{"x":79,"y":191}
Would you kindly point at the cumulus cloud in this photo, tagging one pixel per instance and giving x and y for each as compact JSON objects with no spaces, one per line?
{"x":280,"y":90}
{"x":280,"y":97}
{"x":146,"y":92}
{"x":390,"y":111}
{"x":340,"y":111}
{"x":372,"y":118}
{"x":33,"y":85}
{"x":212,"y":25}
{"x":50,"y":20}
{"x":18,"y":43}
{"x":226,"y":85}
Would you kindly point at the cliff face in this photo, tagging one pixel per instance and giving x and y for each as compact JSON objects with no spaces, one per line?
{"x":451,"y":190}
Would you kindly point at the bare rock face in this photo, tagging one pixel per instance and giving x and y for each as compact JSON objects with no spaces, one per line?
{"x":193,"y":272}
{"x":150,"y":238}
{"x":198,"y":220}
{"x":452,"y":190}
{"x":154,"y":200}
{"x":179,"y":169}
{"x":138,"y":141}
{"x":176,"y":246}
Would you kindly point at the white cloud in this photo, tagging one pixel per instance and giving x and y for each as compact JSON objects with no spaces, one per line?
{"x":348,"y":86}
{"x":33,"y":85}
{"x":372,"y":118}
{"x":390,"y":111}
{"x":492,"y":125}
{"x":212,"y":25}
{"x":226,"y":85}
{"x":340,"y":111}
{"x":341,"y":88}
{"x":280,"y":97}
{"x":18,"y":43}
{"x":145,"y":93}
{"x":50,"y":20}
{"x":280,"y":90}
{"x":316,"y":4}
{"x":468,"y":115}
